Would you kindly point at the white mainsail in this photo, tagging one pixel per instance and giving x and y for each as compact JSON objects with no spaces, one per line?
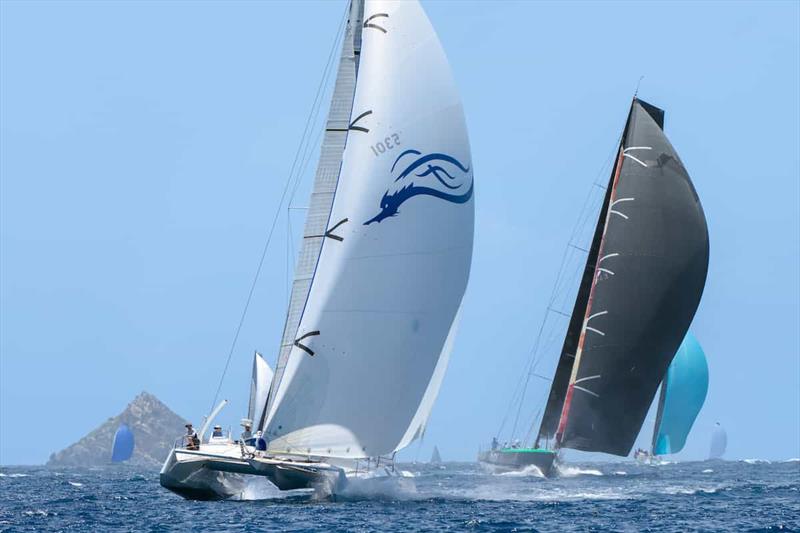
{"x":357,"y":377}
{"x":259,"y":388}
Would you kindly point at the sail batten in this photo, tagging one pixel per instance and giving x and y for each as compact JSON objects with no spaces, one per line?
{"x":322,"y":196}
{"x":635,"y":319}
{"x":360,"y":370}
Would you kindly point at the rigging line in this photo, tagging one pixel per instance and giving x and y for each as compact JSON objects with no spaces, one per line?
{"x":583,"y":218}
{"x":249,"y":298}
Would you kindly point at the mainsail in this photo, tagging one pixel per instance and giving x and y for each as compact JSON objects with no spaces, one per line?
{"x":259,"y":389}
{"x":643,"y":280}
{"x":386,"y":256}
{"x":683,"y":393}
{"x":436,"y":457}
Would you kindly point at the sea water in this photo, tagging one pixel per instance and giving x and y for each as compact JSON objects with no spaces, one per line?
{"x":694,"y":496}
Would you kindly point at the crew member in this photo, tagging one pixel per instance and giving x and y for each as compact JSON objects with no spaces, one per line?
{"x":192,"y":440}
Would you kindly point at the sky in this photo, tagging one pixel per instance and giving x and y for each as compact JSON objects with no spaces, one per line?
{"x":144,"y":147}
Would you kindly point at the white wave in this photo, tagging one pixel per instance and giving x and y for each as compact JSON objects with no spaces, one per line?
{"x":708,"y":470}
{"x":75,"y":483}
{"x":13,"y":475}
{"x":396,"y":487}
{"x":757,"y":461}
{"x":36,"y":512}
{"x":572,"y":471}
{"x":528,"y":471}
{"x":621,"y":473}
{"x":690,"y":490}
{"x":792,"y":460}
{"x":258,"y":488}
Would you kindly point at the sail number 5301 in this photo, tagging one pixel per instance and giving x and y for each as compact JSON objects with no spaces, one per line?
{"x":387,"y":144}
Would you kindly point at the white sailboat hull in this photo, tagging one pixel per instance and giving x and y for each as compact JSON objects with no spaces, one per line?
{"x":220,"y":472}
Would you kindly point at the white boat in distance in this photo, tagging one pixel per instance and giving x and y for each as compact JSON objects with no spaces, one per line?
{"x":383,"y":267}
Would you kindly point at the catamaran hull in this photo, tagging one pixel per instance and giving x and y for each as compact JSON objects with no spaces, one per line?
{"x":196,"y":475}
{"x":201,"y":478}
{"x":509,"y":461}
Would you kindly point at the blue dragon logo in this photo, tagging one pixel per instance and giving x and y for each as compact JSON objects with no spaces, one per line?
{"x":427,"y":165}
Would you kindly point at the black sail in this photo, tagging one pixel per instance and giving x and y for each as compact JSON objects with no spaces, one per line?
{"x":558,"y":390}
{"x":649,"y":278}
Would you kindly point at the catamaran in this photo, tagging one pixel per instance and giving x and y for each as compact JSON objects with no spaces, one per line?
{"x":382,"y":270}
{"x":683,"y":393}
{"x":640,"y":288}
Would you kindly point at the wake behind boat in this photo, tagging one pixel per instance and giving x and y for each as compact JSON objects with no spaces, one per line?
{"x":382,"y":269}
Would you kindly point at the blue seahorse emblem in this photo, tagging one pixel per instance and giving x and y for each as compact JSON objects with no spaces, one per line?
{"x":424,"y":166}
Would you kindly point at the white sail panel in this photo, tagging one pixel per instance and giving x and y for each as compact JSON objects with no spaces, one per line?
{"x":259,"y":388}
{"x":325,"y":182}
{"x":417,"y":427}
{"x":385,"y":296}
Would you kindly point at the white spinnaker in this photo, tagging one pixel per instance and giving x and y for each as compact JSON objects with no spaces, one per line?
{"x":259,"y":388}
{"x":384,"y":298}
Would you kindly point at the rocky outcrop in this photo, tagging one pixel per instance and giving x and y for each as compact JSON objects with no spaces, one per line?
{"x":155,"y":428}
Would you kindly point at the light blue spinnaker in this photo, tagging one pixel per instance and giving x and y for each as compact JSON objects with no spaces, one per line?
{"x":122,"y":448}
{"x":683,"y":392}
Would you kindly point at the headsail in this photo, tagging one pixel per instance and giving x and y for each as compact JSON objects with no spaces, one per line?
{"x":650,"y":273}
{"x":719,"y":442}
{"x":259,"y":389}
{"x":683,"y":393}
{"x":386,"y":290}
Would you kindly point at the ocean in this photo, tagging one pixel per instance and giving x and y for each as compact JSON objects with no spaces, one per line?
{"x":747,"y":495}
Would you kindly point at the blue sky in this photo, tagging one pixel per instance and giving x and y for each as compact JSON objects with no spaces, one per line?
{"x":144,"y":146}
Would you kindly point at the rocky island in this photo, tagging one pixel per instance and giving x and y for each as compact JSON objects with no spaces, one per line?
{"x":155,"y":428}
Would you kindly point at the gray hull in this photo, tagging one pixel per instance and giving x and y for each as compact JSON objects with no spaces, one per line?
{"x":201,"y":476}
{"x":512,"y":460}
{"x":203,"y":479}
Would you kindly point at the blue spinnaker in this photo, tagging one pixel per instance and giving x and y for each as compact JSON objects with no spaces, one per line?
{"x":122,"y":448}
{"x":682,"y":395}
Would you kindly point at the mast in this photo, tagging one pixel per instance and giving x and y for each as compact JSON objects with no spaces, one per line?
{"x":647,"y":283}
{"x":370,"y":333}
{"x":558,"y":389}
{"x":662,"y":396}
{"x":316,"y":230}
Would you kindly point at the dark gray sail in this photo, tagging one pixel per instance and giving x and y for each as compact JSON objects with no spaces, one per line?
{"x":649,"y":277}
{"x":558,"y":389}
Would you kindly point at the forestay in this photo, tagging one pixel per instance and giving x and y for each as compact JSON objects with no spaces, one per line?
{"x":370,"y":351}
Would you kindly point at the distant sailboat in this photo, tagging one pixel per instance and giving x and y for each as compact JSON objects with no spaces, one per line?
{"x":719,"y":442}
{"x":642,"y":282}
{"x":382,"y":269}
{"x":683,"y":393}
{"x":123,"y":444}
{"x":435,"y":457}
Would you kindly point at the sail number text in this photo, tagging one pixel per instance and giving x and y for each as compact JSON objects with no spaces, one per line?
{"x":388,"y":143}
